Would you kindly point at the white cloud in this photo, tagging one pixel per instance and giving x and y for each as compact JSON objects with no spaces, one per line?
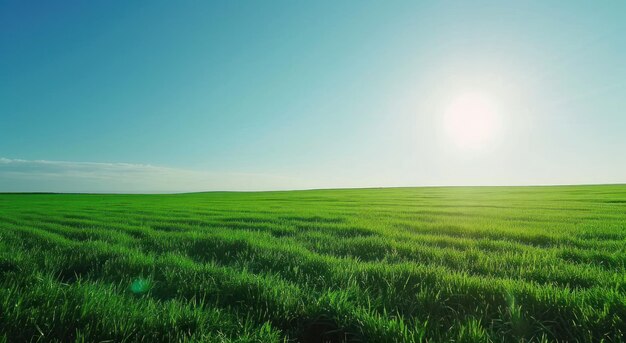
{"x":17,"y":175}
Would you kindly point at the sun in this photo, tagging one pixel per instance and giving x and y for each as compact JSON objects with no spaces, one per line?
{"x":471,"y":121}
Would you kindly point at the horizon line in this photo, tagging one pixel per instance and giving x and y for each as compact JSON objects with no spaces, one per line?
{"x":314,"y":189}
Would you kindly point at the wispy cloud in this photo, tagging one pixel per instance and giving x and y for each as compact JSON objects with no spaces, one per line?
{"x":18,"y":175}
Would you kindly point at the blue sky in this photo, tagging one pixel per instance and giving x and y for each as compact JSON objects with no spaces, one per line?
{"x":162,"y":96}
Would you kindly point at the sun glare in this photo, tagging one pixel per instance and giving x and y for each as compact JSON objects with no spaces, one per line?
{"x":471,"y":121}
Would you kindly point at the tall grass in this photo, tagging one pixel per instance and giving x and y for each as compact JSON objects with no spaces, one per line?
{"x":493,"y":264}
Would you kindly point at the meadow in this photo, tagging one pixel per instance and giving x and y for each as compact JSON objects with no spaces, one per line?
{"x":456,"y":264}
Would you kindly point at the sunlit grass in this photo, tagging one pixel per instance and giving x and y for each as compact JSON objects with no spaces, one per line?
{"x":380,"y":265}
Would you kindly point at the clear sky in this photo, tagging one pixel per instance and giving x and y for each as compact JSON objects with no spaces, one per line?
{"x":160,"y":96}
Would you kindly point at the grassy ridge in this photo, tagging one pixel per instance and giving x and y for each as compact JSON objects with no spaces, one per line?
{"x":377,"y":265}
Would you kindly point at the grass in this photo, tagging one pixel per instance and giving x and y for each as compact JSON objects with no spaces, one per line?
{"x":492,"y":264}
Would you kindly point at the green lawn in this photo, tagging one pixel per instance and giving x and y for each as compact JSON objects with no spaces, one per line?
{"x":368,"y":265}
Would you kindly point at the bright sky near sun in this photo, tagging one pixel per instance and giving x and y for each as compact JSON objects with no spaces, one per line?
{"x":162,"y":96}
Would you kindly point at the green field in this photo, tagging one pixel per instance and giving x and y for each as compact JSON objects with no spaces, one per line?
{"x":370,"y":265}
